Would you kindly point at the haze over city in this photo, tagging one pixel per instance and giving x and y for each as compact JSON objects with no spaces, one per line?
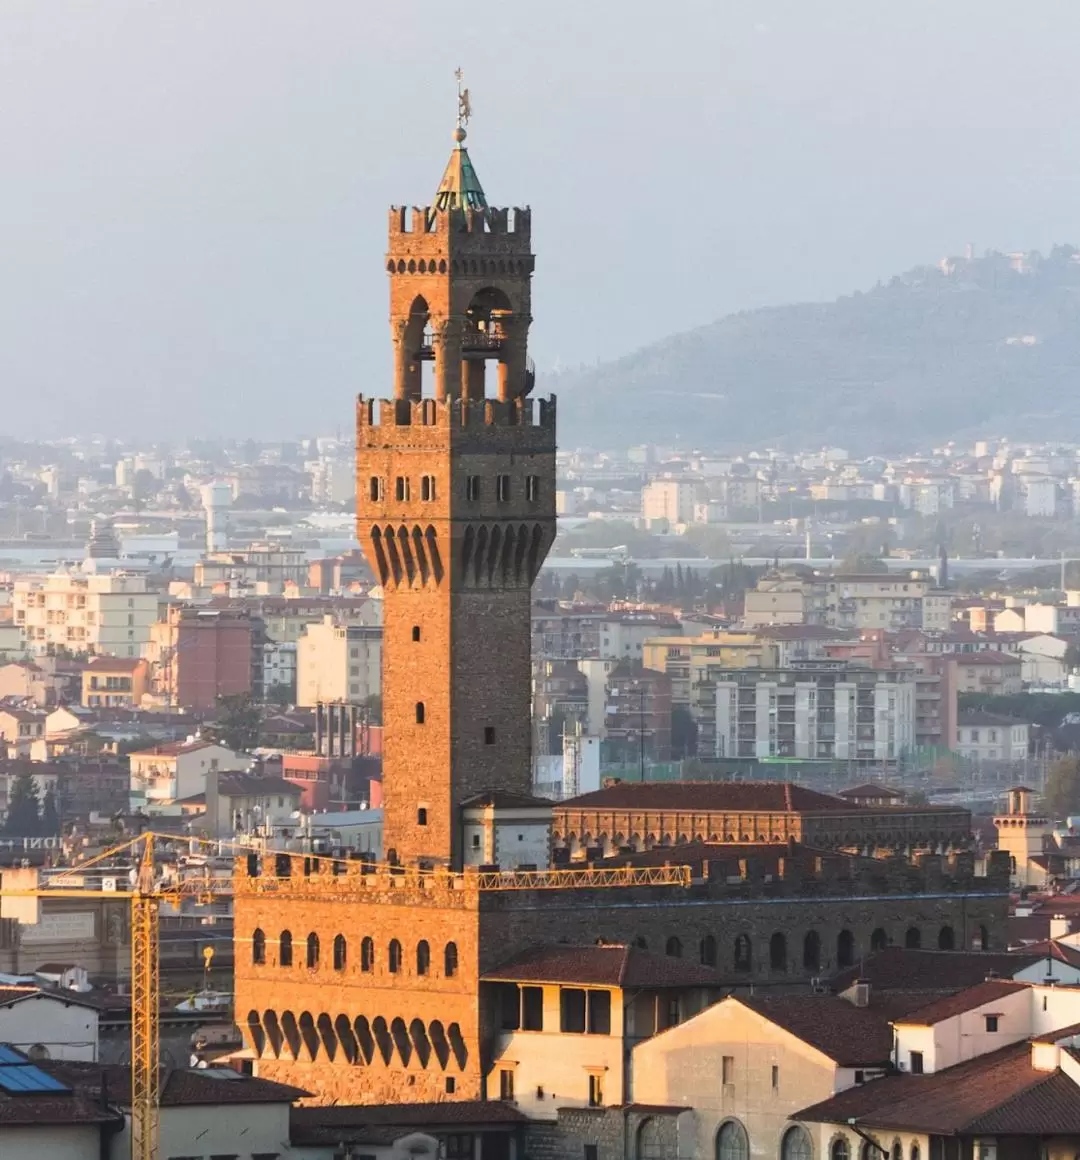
{"x":193,"y":200}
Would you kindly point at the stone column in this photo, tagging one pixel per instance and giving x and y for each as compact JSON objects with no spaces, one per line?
{"x":513,"y":357}
{"x":446,"y":343}
{"x":472,"y":378}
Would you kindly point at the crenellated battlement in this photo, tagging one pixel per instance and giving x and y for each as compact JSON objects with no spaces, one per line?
{"x":514,"y":223}
{"x":461,"y":414}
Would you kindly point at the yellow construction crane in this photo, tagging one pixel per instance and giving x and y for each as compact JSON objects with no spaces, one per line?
{"x":146,"y":897}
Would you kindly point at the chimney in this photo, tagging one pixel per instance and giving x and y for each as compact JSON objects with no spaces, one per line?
{"x":1060,"y":926}
{"x":861,"y":993}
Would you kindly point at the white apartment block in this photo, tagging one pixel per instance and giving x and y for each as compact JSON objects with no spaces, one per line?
{"x":843,"y":715}
{"x":670,"y":501}
{"x":988,"y":737}
{"x":109,"y":614}
{"x":337,"y":662}
{"x":889,"y":601}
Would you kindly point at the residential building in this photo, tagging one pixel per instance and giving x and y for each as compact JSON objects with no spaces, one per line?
{"x":993,"y":673}
{"x":265,"y":569}
{"x":688,"y":660}
{"x":248,"y":803}
{"x":109,"y":614}
{"x":886,"y":600}
{"x":200,"y":654}
{"x":338,"y":662}
{"x":623,"y":634}
{"x":669,"y":502}
{"x":988,"y":737}
{"x":20,"y":730}
{"x":166,"y":773}
{"x":778,"y":600}
{"x":115,"y":682}
{"x":637,"y":714}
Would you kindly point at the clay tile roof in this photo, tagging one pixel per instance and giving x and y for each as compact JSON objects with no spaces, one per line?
{"x":995,"y":1094}
{"x":850,"y":1036}
{"x":966,"y":1000}
{"x":774,"y":797}
{"x":249,"y":784}
{"x":603,"y":966}
{"x":897,"y":968}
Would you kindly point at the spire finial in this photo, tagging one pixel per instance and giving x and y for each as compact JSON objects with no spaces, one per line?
{"x":464,"y":107}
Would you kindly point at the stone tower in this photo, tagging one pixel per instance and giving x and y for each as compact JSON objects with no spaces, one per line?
{"x":455,"y":511}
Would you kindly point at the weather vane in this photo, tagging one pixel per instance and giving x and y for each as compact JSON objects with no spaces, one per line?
{"x":464,"y":107}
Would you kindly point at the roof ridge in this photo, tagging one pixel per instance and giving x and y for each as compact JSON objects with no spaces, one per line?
{"x":1024,"y":1089}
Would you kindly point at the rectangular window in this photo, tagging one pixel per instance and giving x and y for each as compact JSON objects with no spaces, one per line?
{"x":532,"y":1008}
{"x":377,"y":489}
{"x":401,"y":489}
{"x":427,"y":488}
{"x":502,"y":488}
{"x":596,"y":1091}
{"x":775,"y":1078}
{"x":727,"y":1069}
{"x":599,"y":1012}
{"x":592,"y":1152}
{"x":991,"y":1023}
{"x":489,"y":734}
{"x":532,"y":488}
{"x":472,"y":488}
{"x":506,"y":1084}
{"x":572,"y":1004}
{"x":916,"y":1063}
{"x":476,"y":841}
{"x":421,"y":816}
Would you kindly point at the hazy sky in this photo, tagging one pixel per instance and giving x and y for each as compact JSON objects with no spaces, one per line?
{"x":193,"y":192}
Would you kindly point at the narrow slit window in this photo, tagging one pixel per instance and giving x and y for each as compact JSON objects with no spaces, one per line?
{"x":419,"y":712}
{"x":416,"y":632}
{"x":377,"y":489}
{"x":532,"y":488}
{"x":427,"y":488}
{"x":502,"y":486}
{"x":472,"y":488}
{"x":401,"y":489}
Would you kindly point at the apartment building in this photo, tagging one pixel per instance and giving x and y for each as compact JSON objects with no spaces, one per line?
{"x":338,"y":662}
{"x":885,"y":600}
{"x":263,"y":568}
{"x":986,"y":671}
{"x":109,"y":614}
{"x":115,"y":682}
{"x":826,"y":711}
{"x":667,"y":502}
{"x":200,"y":654}
{"x":990,"y":737}
{"x":637,"y":714}
{"x":688,"y":661}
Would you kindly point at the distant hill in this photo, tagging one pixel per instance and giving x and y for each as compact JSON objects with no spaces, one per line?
{"x":973,"y":346}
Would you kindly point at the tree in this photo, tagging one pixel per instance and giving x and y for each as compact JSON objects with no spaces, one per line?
{"x":280,"y":695}
{"x":1062,"y":793}
{"x":23,"y":815}
{"x":238,"y":723}
{"x":373,"y":707}
{"x":683,"y":733}
{"x":50,"y":818}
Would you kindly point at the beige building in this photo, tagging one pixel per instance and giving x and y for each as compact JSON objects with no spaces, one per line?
{"x":989,"y":737}
{"x":687,"y":659}
{"x":170,"y":772}
{"x":261,"y":568}
{"x":670,"y":501}
{"x":777,"y":600}
{"x":109,"y":614}
{"x":886,"y":600}
{"x":994,"y":673}
{"x":337,"y":662}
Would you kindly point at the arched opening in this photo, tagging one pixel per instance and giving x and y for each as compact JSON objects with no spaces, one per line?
{"x":913,"y":938}
{"x":421,"y":1044}
{"x":367,"y":954}
{"x":256,"y":1033}
{"x":897,"y":1150}
{"x":365,"y":1040}
{"x":650,"y":1140}
{"x":707,"y":951}
{"x":258,"y":947}
{"x":400,"y":1036}
{"x":291,"y":1033}
{"x":421,"y":712}
{"x":879,"y":940}
{"x":731,"y":1142}
{"x":450,"y":960}
{"x":393,"y":957}
{"x":796,"y":1145}
{"x":345,"y":1036}
{"x":673,"y":948}
{"x":811,"y":951}
{"x":984,"y":939}
{"x":778,"y":952}
{"x":423,"y":957}
{"x":946,"y":939}
{"x":641,"y":942}
{"x":326,"y":1036}
{"x":839,"y":1149}
{"x":309,"y":1035}
{"x":486,"y":320}
{"x":340,"y":952}
{"x":845,"y":949}
{"x":285,"y":949}
{"x":439,"y":1043}
{"x":273,"y":1031}
{"x":457,"y":1045}
{"x":382,"y":1038}
{"x":744,"y":953}
{"x":312,"y":951}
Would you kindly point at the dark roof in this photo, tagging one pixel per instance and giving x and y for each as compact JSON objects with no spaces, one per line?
{"x":501,"y":799}
{"x":970,"y":717}
{"x":721,"y":857}
{"x":603,"y":966}
{"x":984,"y":657}
{"x":246,"y":784}
{"x":995,"y":1094}
{"x":897,"y":968}
{"x":383,"y":1123}
{"x":774,"y":797}
{"x":850,"y":1036}
{"x":871,"y":790}
{"x":966,"y":1000}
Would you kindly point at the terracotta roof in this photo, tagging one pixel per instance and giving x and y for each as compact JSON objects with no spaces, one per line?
{"x":117,"y":664}
{"x":850,"y":1036}
{"x":248,"y":784}
{"x":172,"y":748}
{"x":603,"y":966}
{"x":897,"y":968}
{"x":995,"y":1094}
{"x":985,"y":657}
{"x":966,"y":1000}
{"x":774,"y":797}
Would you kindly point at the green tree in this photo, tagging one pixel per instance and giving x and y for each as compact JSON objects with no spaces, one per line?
{"x":373,"y":706}
{"x":281,"y":696}
{"x":1062,"y":793}
{"x":238,"y":723}
{"x":50,"y":817}
{"x":23,"y":815}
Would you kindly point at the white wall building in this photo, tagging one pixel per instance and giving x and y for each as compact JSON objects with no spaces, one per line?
{"x":337,"y":662}
{"x":985,"y":737}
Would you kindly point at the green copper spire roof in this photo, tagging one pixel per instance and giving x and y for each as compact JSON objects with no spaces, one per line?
{"x":460,"y":188}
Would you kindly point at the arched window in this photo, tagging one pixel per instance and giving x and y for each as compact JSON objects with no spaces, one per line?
{"x":674,"y":948}
{"x":340,"y":952}
{"x":796,"y":1144}
{"x":845,"y":949}
{"x":897,"y":1150}
{"x":879,"y":940}
{"x":913,"y":938}
{"x":367,"y":955}
{"x":868,"y":1151}
{"x":419,"y":712}
{"x":450,"y":960}
{"x":731,"y":1142}
{"x":393,"y":958}
{"x":641,"y":942}
{"x":707,"y":951}
{"x":914,"y":1152}
{"x":284,"y":957}
{"x":650,"y":1140}
{"x":984,"y":939}
{"x":811,"y":951}
{"x":840,"y":1149}
{"x":744,"y":953}
{"x":312,"y":951}
{"x":258,"y":946}
{"x":778,"y":952}
{"x":946,"y":939}
{"x":423,"y":957}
